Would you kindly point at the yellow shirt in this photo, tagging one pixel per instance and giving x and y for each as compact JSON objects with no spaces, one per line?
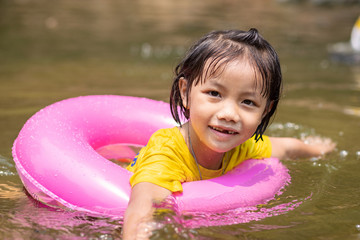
{"x":166,"y":160}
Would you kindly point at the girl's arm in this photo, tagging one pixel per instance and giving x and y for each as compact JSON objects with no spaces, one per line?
{"x":140,"y":207}
{"x":291,"y":148}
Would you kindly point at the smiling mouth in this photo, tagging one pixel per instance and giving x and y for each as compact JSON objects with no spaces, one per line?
{"x":224,"y":130}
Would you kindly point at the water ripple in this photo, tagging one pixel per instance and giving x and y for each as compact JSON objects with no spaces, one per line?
{"x":7,"y":167}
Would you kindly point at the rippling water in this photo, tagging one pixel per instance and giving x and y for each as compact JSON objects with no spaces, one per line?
{"x":50,"y":51}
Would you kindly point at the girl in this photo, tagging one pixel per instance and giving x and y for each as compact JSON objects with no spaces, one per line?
{"x":227,"y":88}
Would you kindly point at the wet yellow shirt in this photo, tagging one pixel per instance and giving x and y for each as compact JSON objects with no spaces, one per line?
{"x":166,"y":160}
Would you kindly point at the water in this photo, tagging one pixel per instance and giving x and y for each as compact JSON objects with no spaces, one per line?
{"x":50,"y":51}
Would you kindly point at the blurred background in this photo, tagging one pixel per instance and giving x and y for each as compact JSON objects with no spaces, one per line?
{"x":52,"y":50}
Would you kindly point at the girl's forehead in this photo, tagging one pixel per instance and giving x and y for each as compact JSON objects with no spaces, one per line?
{"x":218,"y":65}
{"x":243,"y":68}
{"x":214,"y":70}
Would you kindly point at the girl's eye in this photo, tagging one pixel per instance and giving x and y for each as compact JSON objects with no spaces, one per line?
{"x":214,"y":93}
{"x":248,"y":102}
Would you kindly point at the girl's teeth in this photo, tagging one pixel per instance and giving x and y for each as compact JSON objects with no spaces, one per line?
{"x":223,"y":131}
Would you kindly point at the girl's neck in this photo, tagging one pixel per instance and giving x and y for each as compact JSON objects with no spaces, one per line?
{"x":204,"y":156}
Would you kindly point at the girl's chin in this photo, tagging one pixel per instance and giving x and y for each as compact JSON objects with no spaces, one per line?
{"x":220,"y":149}
{"x":221,"y":145}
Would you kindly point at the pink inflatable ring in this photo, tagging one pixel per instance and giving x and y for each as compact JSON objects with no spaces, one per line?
{"x":56,"y":158}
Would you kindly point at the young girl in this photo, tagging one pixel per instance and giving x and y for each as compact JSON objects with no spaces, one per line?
{"x":226,"y":89}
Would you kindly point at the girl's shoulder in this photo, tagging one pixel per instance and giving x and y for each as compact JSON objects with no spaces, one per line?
{"x":167,"y":138}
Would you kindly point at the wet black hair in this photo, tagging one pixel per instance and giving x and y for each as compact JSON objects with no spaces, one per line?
{"x":218,"y":48}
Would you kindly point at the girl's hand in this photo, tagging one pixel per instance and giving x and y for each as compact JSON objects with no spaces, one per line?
{"x":140,"y":209}
{"x":292,"y":148}
{"x":323,"y":145}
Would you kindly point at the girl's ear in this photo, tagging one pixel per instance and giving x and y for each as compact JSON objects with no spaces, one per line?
{"x":183,"y":92}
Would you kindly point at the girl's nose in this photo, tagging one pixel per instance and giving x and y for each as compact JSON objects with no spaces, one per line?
{"x":229,"y":112}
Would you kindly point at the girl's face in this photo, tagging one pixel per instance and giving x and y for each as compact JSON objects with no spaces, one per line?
{"x":226,"y":109}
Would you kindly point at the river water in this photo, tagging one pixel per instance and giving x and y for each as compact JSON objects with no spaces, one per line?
{"x":52,"y":50}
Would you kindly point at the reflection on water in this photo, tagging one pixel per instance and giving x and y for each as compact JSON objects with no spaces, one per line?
{"x":54,"y":50}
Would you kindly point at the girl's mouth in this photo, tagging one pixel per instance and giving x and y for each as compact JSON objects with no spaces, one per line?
{"x":224,"y":130}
